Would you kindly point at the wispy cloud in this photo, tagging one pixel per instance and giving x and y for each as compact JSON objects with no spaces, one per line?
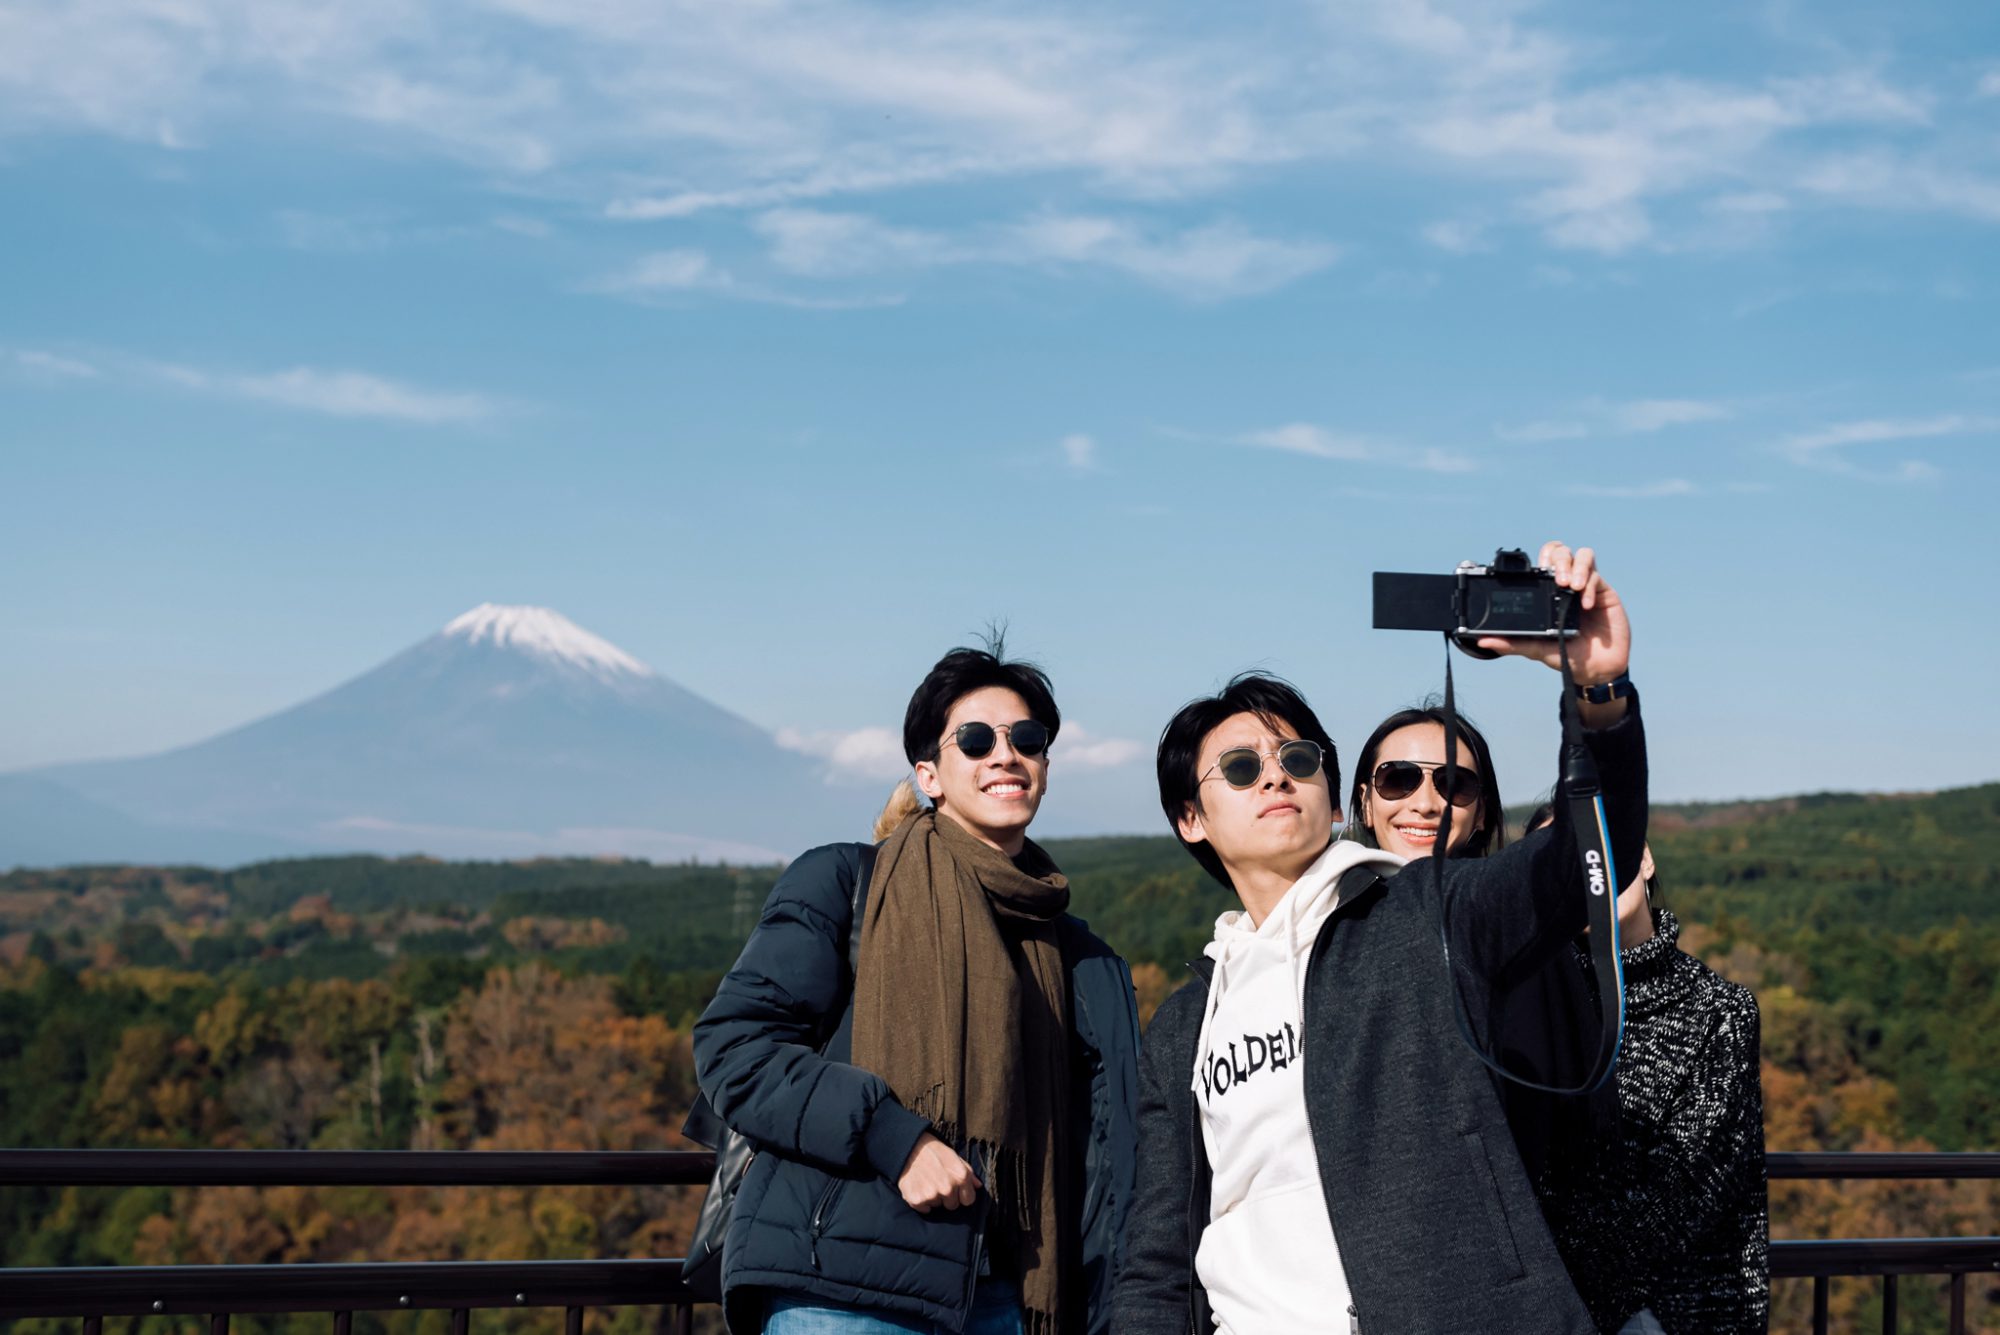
{"x":1080,"y":452}
{"x":1902,"y":183}
{"x":1644,"y":491}
{"x":1079,"y":748}
{"x":337,"y":393}
{"x":1319,"y":442}
{"x":1598,"y":417}
{"x":330,"y":392}
{"x":1647,"y":415}
{"x":1458,"y":236}
{"x":684,"y":272}
{"x":1209,"y":262}
{"x":37,"y":362}
{"x":1829,"y":448}
{"x":859,"y":753}
{"x":655,"y":116}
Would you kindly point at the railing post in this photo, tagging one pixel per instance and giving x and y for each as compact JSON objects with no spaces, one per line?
{"x":1888,"y":1305}
{"x":1821,"y":1284}
{"x":93,"y":1325}
{"x":343,"y":1323}
{"x":461,"y":1320}
{"x":1957,"y":1326}
{"x":573,"y":1321}
{"x":218,"y":1323}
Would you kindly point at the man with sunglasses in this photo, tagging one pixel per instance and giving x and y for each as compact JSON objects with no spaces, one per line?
{"x":1319,"y":1150}
{"x":945,"y":1137}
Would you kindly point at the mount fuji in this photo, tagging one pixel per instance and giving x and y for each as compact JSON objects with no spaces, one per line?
{"x":511,"y":732}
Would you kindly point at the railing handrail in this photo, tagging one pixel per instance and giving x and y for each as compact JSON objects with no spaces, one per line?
{"x":1906,"y":1165}
{"x":369,"y":1168}
{"x":71,"y":1291}
{"x":1802,"y":1258}
{"x":579,"y":1168}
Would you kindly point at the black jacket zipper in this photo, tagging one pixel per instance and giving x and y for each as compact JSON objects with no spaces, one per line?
{"x":819,"y":1219}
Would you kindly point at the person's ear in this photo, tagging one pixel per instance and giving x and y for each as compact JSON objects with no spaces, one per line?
{"x":927,"y":779}
{"x":1190,"y":824}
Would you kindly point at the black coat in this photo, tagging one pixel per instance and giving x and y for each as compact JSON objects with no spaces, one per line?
{"x":819,"y":1215}
{"x":1438,"y":1229}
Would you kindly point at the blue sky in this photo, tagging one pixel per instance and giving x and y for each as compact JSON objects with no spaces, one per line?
{"x":785,"y":343}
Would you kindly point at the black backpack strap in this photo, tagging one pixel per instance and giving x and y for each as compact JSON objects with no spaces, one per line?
{"x":860,"y":900}
{"x":839,"y":1045}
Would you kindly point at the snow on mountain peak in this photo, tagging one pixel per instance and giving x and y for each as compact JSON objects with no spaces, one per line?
{"x":540,"y":630}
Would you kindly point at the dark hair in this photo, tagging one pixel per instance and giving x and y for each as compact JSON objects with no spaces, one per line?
{"x":1489,"y":835}
{"x":960,"y":673}
{"x":1271,"y":699}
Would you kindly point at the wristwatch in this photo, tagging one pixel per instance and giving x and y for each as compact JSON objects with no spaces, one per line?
{"x":1617,"y":688}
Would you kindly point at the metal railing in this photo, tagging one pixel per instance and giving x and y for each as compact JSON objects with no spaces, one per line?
{"x":1885,"y":1258}
{"x":218,"y":1292}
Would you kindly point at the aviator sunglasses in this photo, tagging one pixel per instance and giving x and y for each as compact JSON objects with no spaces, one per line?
{"x":1028,"y":738}
{"x":1395,"y":780}
{"x":1242,"y":767}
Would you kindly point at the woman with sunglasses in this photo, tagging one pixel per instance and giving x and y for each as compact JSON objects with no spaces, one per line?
{"x":1664,"y":1223}
{"x":1397,"y":796}
{"x":944,"y":1135}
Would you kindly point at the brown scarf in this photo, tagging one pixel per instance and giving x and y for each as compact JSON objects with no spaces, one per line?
{"x":961,"y":1004}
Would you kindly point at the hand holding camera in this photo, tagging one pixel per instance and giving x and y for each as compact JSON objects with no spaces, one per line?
{"x":1601,"y":649}
{"x":1528,"y":611}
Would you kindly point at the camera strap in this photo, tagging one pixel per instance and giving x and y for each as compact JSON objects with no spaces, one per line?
{"x":1579,"y":790}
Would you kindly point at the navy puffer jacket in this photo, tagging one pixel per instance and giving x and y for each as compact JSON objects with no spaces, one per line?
{"x":818,"y":1215}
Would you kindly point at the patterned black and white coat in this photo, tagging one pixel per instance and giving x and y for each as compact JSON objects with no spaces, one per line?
{"x":1672,"y":1215}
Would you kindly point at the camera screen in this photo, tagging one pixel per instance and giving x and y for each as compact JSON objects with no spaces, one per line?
{"x":1510,"y":604}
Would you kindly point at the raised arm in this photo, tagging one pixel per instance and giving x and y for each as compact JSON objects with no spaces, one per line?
{"x":756,"y":1046}
{"x":1513,"y":909}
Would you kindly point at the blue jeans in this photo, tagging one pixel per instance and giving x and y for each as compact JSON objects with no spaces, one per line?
{"x":996,"y":1310}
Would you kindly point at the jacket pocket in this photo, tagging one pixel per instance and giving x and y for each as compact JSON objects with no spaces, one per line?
{"x":1506,"y":1250}
{"x":822,"y":1211}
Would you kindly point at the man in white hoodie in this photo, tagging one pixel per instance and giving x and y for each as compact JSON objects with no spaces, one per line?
{"x":1318,"y":1150}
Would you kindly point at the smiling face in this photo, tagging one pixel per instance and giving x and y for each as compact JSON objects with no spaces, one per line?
{"x":994,"y":796}
{"x":1276,"y":826}
{"x":1408,"y":826}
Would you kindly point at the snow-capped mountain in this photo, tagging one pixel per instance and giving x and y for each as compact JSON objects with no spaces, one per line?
{"x":510,"y":732}
{"x":547,"y":634}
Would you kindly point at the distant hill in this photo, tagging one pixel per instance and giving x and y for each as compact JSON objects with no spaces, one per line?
{"x":511,"y":732}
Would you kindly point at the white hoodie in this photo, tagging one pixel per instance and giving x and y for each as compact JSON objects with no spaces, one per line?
{"x":1267,"y":1257}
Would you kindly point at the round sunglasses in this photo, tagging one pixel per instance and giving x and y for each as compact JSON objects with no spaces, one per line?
{"x":1242,"y":767}
{"x":976,"y":740}
{"x":1395,"y":780}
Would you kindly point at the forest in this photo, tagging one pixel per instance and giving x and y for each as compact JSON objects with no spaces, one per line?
{"x":364,"y":1003}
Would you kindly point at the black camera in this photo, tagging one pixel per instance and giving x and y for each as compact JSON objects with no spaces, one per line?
{"x":1511,"y":597}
